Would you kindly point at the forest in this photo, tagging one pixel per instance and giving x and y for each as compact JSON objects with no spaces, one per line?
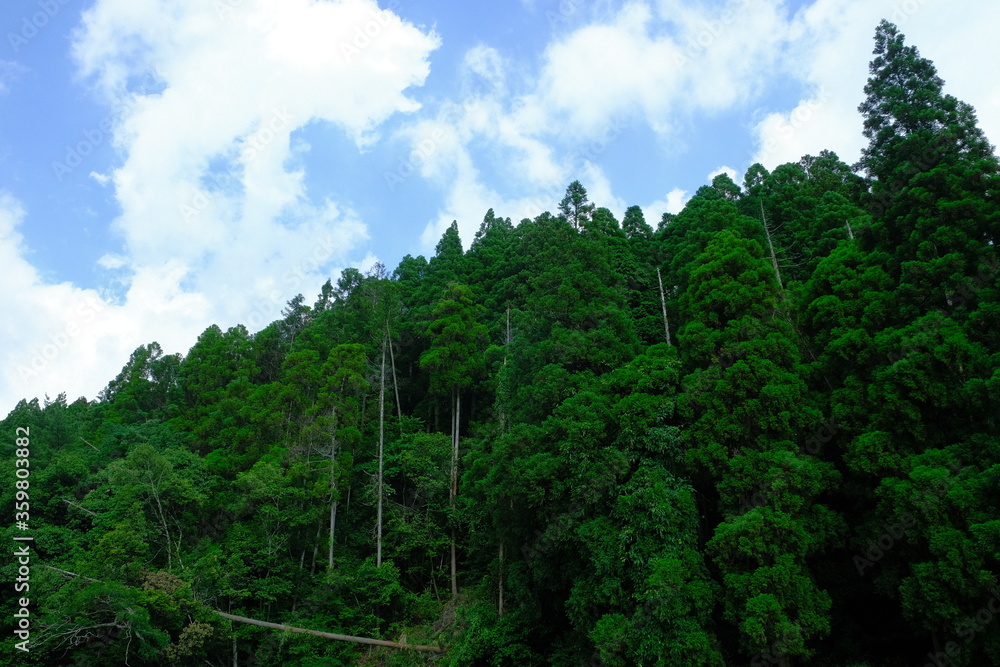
{"x":762,"y":431}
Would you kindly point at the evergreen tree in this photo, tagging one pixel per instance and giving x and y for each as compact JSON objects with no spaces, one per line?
{"x":575,"y":206}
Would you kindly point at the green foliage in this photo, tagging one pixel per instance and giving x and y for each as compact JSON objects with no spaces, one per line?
{"x":808,"y":472}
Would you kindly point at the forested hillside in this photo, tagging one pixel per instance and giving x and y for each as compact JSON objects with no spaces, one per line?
{"x":761,"y":431}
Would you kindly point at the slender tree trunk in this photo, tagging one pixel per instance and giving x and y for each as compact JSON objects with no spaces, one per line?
{"x":79,"y":508}
{"x":381,"y":443}
{"x":500,"y":605}
{"x":434,"y":580}
{"x":767,"y":233}
{"x":507,"y":341}
{"x":850,"y":232}
{"x":663,"y":304}
{"x":502,"y":385}
{"x":327,"y":635}
{"x":395,"y":385}
{"x":163,"y":522}
{"x":333,"y":484}
{"x":319,"y":533}
{"x":454,"y":486}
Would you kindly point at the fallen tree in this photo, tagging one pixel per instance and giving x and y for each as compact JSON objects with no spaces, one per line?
{"x":328,"y":635}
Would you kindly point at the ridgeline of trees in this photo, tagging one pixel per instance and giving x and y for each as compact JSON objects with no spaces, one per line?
{"x":764,"y":432}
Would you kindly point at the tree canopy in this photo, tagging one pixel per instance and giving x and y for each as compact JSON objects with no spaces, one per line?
{"x":765,"y":432}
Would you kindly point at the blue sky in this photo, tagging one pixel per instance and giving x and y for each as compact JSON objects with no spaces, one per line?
{"x":169,"y":165}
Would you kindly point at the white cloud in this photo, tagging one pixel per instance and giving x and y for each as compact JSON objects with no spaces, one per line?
{"x":668,"y":64}
{"x":113,"y":261}
{"x":829,"y":51}
{"x":674,"y":203}
{"x":488,"y":64}
{"x":710,"y":59}
{"x":728,"y":171}
{"x":215,"y":226}
{"x":10,"y":71}
{"x":237,"y":84}
{"x":595,"y":83}
{"x":62,"y":338}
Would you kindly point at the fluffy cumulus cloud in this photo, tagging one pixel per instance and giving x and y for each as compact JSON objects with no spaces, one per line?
{"x":673,"y":202}
{"x":656,"y":62}
{"x":212,"y":102}
{"x":830,"y":45}
{"x":60,"y":337}
{"x":215,"y":225}
{"x":663,"y":65}
{"x":639,"y":64}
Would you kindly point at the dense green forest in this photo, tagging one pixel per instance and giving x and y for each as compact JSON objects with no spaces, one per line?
{"x":763,"y":432}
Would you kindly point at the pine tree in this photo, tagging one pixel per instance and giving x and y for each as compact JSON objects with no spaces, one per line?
{"x":575,"y":206}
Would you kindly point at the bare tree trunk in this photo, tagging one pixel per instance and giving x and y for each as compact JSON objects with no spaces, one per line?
{"x":163,"y":521}
{"x":333,"y":483}
{"x":500,"y":605}
{"x":434,"y":580}
{"x":850,"y":232}
{"x":767,"y":233}
{"x":347,"y":509}
{"x":327,"y":635}
{"x":663,"y":304}
{"x":502,"y":386}
{"x":454,"y":486}
{"x":395,"y":385}
{"x":381,"y":442}
{"x":319,"y":533}
{"x":507,"y":341}
{"x":79,"y":508}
